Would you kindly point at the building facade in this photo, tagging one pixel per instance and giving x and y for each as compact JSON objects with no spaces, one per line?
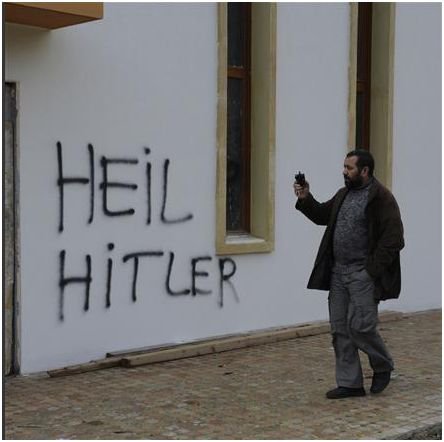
{"x":135,"y":222}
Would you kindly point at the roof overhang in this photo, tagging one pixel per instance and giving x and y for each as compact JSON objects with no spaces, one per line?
{"x":52,"y":15}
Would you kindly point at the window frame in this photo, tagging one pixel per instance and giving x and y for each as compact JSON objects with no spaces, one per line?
{"x":260,"y":239}
{"x":381,"y":94}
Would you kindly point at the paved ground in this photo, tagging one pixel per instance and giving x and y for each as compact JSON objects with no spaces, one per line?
{"x":273,"y":391}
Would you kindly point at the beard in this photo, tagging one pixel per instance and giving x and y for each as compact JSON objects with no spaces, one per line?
{"x":353,"y":183}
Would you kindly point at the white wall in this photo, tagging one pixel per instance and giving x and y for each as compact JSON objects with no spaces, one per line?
{"x":146,"y":76}
{"x":417,"y":150}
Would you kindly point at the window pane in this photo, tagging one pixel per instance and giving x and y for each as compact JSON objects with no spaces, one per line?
{"x":236,"y":34}
{"x":363,"y":85}
{"x":235,"y":191}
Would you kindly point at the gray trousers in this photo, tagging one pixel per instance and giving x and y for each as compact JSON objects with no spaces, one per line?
{"x":353,"y":320}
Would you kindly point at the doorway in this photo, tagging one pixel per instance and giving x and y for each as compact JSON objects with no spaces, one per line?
{"x":10,"y":220}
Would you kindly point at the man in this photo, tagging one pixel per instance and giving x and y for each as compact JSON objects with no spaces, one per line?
{"x":358,"y":262}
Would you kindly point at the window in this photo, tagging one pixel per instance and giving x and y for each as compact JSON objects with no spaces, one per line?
{"x":238,"y":117}
{"x":363,"y":77}
{"x":371,"y":83}
{"x":245,"y":127}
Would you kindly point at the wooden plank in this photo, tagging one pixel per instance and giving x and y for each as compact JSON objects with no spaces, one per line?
{"x":151,"y":355}
{"x":84,"y":368}
{"x":139,"y":350}
{"x":236,"y":343}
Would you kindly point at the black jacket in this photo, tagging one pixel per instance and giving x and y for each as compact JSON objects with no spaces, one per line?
{"x":386,"y":239}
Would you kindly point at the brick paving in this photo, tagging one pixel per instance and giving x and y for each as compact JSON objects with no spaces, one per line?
{"x":272,"y":391}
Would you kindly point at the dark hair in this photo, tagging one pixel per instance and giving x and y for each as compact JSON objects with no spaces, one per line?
{"x":365,"y":159}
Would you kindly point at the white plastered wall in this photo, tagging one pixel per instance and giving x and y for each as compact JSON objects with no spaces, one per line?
{"x":417,"y":147}
{"x":145,"y":76}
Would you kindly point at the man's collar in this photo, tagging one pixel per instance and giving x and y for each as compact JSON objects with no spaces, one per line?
{"x":364,"y":186}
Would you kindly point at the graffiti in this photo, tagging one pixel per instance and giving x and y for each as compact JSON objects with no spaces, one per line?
{"x":195,"y":274}
{"x":168,"y":279}
{"x":106,"y":185}
{"x":109,"y":272}
{"x":136,"y":257}
{"x":63,"y":282}
{"x":198,"y":264}
{"x":148,"y":187}
{"x":163,"y":218}
{"x":224,"y":278}
{"x":62,"y":181}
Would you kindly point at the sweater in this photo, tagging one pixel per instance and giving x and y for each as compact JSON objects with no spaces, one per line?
{"x":350,"y":238}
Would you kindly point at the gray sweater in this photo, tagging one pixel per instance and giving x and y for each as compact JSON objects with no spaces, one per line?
{"x":350,"y":239}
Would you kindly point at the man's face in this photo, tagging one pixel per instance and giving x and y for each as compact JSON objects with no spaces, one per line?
{"x":352,"y":177}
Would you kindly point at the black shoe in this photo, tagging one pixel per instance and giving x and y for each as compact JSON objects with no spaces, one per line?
{"x":343,"y":392}
{"x":380,"y":381}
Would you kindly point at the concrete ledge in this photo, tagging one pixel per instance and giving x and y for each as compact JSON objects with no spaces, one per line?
{"x":422,"y":312}
{"x":432,"y":431}
{"x":144,"y":356}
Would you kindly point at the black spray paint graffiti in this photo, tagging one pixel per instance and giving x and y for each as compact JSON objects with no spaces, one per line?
{"x":105,"y":186}
{"x":224,"y":277}
{"x":62,"y":181}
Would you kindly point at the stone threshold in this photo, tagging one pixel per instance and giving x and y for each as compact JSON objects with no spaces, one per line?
{"x":151,"y":355}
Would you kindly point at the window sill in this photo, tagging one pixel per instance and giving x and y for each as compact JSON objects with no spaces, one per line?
{"x":244,"y":243}
{"x":242,"y":238}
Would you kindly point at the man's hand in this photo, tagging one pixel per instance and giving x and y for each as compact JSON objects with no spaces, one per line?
{"x":301,"y":191}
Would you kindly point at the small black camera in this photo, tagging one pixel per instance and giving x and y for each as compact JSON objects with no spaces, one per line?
{"x":300,"y":179}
